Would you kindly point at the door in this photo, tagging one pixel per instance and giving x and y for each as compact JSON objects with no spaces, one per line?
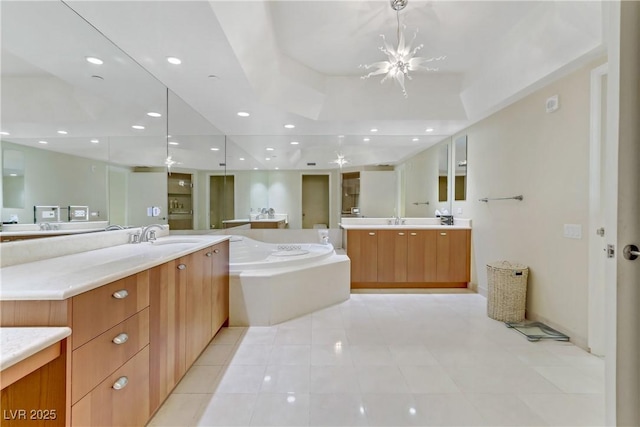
{"x":623,"y":294}
{"x":315,"y":201}
{"x":221,"y":199}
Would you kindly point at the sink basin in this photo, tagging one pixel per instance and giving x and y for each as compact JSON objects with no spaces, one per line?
{"x":172,"y":241}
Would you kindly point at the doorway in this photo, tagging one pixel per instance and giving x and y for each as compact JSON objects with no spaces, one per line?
{"x":221,"y":199}
{"x":315,"y":201}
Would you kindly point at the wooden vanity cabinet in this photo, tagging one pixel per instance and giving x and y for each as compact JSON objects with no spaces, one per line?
{"x":429,"y":258}
{"x":219,"y":286}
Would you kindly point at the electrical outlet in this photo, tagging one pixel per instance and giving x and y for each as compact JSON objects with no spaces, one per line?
{"x":573,"y":231}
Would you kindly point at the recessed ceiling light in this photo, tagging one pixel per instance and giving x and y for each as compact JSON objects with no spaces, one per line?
{"x":173,"y":60}
{"x":42,"y":142}
{"x":63,"y":132}
{"x":416,"y":139}
{"x":267,"y":158}
{"x":94,"y":141}
{"x":173,"y":143}
{"x":215,"y":149}
{"x":374,"y":130}
{"x":290,"y":126}
{"x":241,"y":158}
{"x":94,"y":60}
{"x":4,"y":133}
{"x":270,"y":149}
{"x":153,"y":114}
{"x":340,"y":136}
{"x":277,"y":168}
{"x":15,"y":174}
{"x":138,"y":127}
{"x":255,"y":169}
{"x":366,"y":139}
{"x":294,"y":143}
{"x":243,"y":114}
{"x":428,"y":130}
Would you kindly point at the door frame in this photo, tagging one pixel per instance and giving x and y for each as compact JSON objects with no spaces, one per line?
{"x":327,"y":173}
{"x":598,"y":216}
{"x":208,"y":195}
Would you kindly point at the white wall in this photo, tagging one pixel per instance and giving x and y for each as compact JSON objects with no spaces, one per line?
{"x":543,"y":156}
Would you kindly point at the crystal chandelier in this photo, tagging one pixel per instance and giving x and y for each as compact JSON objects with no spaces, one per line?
{"x":402,"y":59}
{"x":340,"y":161}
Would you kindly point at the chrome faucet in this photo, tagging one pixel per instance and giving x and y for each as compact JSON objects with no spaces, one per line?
{"x":45,"y":226}
{"x":149,"y":235}
{"x":396,"y":221}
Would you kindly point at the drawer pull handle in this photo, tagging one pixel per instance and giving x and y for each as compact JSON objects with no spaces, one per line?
{"x":443,"y":234}
{"x":208,"y":254}
{"x":181,"y":266}
{"x":121,"y":339}
{"x":400,"y":234}
{"x":414,"y":234}
{"x":372,"y":234}
{"x":121,"y":383}
{"x":121,"y":294}
{"x":216,"y":251}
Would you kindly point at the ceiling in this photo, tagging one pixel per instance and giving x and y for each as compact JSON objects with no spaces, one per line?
{"x":297,"y":62}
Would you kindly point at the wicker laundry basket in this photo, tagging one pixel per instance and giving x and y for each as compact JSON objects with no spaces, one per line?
{"x":507,"y":291}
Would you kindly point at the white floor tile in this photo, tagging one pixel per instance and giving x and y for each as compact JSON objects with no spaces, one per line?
{"x":224,"y":409}
{"x":568,"y":409}
{"x":287,"y":409}
{"x":388,"y":360}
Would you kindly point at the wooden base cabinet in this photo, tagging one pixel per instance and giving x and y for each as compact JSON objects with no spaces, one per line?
{"x":409,"y":258}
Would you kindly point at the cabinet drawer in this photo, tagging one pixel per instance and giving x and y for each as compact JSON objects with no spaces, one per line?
{"x":98,"y":358}
{"x":102,"y":308}
{"x":108,"y":406}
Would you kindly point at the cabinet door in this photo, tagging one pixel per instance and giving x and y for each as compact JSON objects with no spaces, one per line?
{"x":198,"y":317}
{"x":167,"y":332}
{"x":392,"y":256}
{"x":362,"y":249}
{"x":421,"y":256}
{"x":219,"y":286}
{"x":453,"y":256}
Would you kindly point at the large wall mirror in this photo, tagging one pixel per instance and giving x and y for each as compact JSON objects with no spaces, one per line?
{"x":84,"y":130}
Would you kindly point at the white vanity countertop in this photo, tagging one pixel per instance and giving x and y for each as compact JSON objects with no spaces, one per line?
{"x":403,"y":227}
{"x":69,"y":275}
{"x":16,"y":344}
{"x":49,"y":232}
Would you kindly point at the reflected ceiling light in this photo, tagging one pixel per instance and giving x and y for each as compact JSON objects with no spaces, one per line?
{"x":340,"y":136}
{"x":4,"y":133}
{"x":267,"y":158}
{"x":277,"y":168}
{"x":15,"y":174}
{"x":416,"y":139}
{"x":173,"y":60}
{"x":291,"y":398}
{"x":173,"y":143}
{"x":374,"y":130}
{"x":412,"y":411}
{"x":243,"y":114}
{"x":153,"y":114}
{"x":43,"y":142}
{"x":255,"y":169}
{"x":215,"y":149}
{"x":95,"y":141}
{"x":428,"y":130}
{"x":241,"y":158}
{"x":366,"y":139}
{"x":94,"y":60}
{"x":63,"y":132}
{"x":402,"y":59}
{"x":138,"y":127}
{"x":290,"y":126}
{"x":270,"y":149}
{"x":340,"y":161}
{"x":294,"y":143}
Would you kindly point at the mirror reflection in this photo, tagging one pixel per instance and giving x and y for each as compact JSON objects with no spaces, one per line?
{"x":460,"y":186}
{"x":12,"y":178}
{"x":443,"y":173}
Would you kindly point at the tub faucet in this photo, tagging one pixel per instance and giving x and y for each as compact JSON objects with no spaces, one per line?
{"x":149,"y":235}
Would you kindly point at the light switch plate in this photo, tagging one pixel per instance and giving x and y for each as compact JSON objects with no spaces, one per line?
{"x":573,"y":231}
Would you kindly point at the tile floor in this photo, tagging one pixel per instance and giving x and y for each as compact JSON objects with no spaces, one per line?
{"x":388,"y":360}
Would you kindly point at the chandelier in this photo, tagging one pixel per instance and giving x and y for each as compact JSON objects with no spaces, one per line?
{"x":402,"y":59}
{"x":340,"y":161}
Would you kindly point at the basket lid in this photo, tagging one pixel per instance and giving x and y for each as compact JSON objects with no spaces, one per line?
{"x":507,"y":265}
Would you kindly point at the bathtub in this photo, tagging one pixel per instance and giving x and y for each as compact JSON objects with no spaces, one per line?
{"x":270,"y":283}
